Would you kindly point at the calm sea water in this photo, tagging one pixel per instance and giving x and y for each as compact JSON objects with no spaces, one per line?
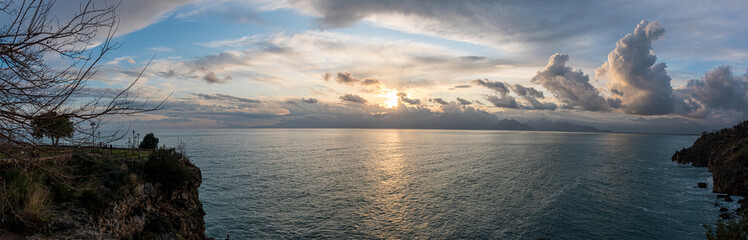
{"x":417,"y":184}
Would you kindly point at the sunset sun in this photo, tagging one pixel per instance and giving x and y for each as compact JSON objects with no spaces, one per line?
{"x":391,"y":96}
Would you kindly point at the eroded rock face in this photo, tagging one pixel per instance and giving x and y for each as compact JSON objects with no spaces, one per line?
{"x":725,"y":153}
{"x":148,"y":211}
{"x":157,"y":211}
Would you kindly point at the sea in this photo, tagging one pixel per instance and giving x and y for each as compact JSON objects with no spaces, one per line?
{"x":446,"y":184}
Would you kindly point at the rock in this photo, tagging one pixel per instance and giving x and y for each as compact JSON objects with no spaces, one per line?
{"x":722,"y":195}
{"x":701,"y":185}
{"x":723,"y":209}
{"x":716,"y":204}
{"x":724,"y":153}
{"x":725,"y":216}
{"x":728,"y":199}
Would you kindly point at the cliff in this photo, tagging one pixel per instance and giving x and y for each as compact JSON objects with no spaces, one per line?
{"x":725,"y":153}
{"x":103,"y":195}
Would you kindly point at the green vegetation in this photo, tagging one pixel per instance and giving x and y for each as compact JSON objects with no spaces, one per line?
{"x":168,"y":167}
{"x":150,"y":141}
{"x":53,"y":126}
{"x":735,"y":228}
{"x":90,"y":180}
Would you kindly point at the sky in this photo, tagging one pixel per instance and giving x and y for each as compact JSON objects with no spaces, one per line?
{"x":636,"y":66}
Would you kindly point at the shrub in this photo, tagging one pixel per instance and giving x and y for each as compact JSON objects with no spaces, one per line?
{"x":150,"y":141}
{"x":735,"y":228}
{"x":168,"y":168}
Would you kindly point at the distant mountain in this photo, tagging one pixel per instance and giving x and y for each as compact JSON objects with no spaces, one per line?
{"x":511,"y":124}
{"x":561,"y":126}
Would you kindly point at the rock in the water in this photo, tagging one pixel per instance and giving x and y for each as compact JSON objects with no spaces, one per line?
{"x":723,"y":209}
{"x":725,"y":216}
{"x":701,"y":185}
{"x":728,"y":199}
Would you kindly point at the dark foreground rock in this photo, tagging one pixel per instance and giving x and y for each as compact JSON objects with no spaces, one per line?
{"x":725,"y":153}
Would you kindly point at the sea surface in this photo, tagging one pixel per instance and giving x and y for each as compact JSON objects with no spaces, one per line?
{"x":445,"y":184}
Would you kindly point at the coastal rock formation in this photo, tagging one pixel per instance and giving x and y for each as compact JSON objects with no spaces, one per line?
{"x":111,"y":198}
{"x":725,"y":153}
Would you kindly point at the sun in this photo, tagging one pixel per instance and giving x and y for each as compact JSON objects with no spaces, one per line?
{"x":391,"y":96}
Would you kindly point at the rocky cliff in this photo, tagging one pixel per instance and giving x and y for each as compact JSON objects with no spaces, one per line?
{"x":725,"y":153}
{"x":153,"y":197}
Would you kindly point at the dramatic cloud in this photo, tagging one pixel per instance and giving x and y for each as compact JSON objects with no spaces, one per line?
{"x":570,"y":87}
{"x":528,"y":94}
{"x":353,"y":98}
{"x":719,"y":89}
{"x":642,"y":86}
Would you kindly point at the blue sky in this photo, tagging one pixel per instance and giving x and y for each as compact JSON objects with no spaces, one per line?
{"x":609,"y":64}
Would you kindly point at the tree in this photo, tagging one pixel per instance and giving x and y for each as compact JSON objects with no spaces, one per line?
{"x":53,"y":126}
{"x":30,"y":86}
{"x":150,"y":141}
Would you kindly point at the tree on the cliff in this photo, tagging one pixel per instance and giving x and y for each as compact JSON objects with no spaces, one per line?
{"x":31,"y":84}
{"x":53,"y":126}
{"x":150,"y":141}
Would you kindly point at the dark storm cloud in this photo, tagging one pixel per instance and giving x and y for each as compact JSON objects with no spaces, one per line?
{"x":439,"y":101}
{"x":499,"y":87}
{"x":642,"y":86}
{"x":353,"y":98}
{"x":571,"y":87}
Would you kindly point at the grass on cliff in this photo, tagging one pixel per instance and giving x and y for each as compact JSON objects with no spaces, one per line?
{"x":92,"y":181}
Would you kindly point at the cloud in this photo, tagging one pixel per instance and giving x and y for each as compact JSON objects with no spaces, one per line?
{"x":461,"y":86}
{"x":499,"y":87}
{"x":370,"y":81}
{"x":404,"y":98}
{"x":346,"y":78}
{"x":503,"y":101}
{"x":633,"y":77}
{"x":309,"y":100}
{"x":439,"y":101}
{"x":463,"y":101}
{"x":526,"y":91}
{"x":353,"y":98}
{"x":528,"y":94}
{"x":570,"y":87}
{"x":225,"y":97}
{"x":161,"y":49}
{"x":719,"y":89}
{"x":211,"y":77}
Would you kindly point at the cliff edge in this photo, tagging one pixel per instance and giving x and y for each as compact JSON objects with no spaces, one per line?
{"x":102,"y":194}
{"x":725,"y":153}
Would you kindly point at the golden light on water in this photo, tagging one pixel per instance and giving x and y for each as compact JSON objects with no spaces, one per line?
{"x":391,"y":96}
